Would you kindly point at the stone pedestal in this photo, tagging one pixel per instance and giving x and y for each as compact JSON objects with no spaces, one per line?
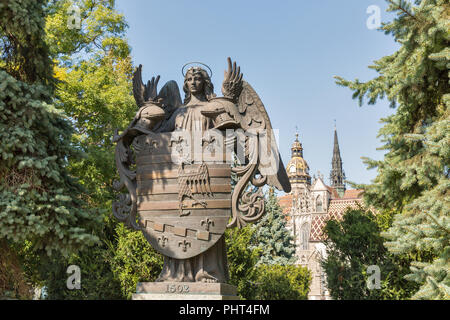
{"x":184,"y":291}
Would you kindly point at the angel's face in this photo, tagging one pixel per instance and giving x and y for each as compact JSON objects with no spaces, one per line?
{"x":195,"y":82}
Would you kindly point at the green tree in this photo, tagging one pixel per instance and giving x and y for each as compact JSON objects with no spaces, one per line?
{"x":276,"y":282}
{"x":94,"y":72}
{"x":353,"y":245}
{"x":41,"y":205}
{"x":133,"y":260}
{"x":262,"y":282}
{"x":271,"y":237}
{"x":98,"y":281}
{"x":242,"y":259}
{"x":413,"y":178}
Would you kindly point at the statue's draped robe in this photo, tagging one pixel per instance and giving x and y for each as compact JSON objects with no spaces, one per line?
{"x":210,"y":266}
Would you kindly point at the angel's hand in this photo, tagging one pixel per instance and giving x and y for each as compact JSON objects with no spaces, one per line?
{"x":232,"y":83}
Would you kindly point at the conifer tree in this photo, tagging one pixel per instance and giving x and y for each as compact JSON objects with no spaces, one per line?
{"x":94,"y":72}
{"x":39,"y":200}
{"x":353,"y":244}
{"x":413,"y":178}
{"x":271,"y":237}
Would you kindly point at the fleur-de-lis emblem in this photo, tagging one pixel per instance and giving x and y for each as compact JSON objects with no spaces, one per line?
{"x":163,"y":240}
{"x":182,"y":153}
{"x":207,"y":223}
{"x":178,"y":140}
{"x":184,"y":244}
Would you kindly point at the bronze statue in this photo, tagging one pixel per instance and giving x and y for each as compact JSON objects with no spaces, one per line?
{"x":175,"y":159}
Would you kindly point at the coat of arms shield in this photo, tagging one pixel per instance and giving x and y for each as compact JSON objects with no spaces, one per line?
{"x":174,"y":159}
{"x":183,"y":194}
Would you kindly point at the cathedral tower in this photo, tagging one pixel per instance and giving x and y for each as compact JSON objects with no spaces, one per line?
{"x":297,"y":168}
{"x":337,"y":175}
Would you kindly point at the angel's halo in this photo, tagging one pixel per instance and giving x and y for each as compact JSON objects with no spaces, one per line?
{"x":196,"y":63}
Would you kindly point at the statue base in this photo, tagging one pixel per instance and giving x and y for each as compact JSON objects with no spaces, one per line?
{"x":184,"y":291}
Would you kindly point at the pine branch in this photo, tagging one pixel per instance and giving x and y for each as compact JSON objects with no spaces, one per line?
{"x":403,"y":9}
{"x":437,"y":222}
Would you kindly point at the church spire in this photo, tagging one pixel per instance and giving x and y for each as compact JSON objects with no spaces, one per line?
{"x":297,"y":168}
{"x":337,"y":175}
{"x":297,"y":148}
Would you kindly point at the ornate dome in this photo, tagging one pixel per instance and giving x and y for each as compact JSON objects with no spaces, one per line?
{"x":297,"y":168}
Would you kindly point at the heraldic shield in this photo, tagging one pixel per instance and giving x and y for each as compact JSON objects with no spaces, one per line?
{"x":183,"y":191}
{"x":174,"y":159}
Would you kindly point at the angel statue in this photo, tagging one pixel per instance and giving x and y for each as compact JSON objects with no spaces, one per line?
{"x":184,"y":206}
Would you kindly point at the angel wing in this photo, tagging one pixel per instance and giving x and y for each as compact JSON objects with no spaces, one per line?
{"x":251,"y":115}
{"x":232,"y":83}
{"x":143,"y":93}
{"x":242,"y":108}
{"x":168,"y":98}
{"x":254,"y":118}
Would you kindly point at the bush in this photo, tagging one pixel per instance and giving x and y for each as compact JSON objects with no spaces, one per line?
{"x":134,"y":260}
{"x":353,"y":245}
{"x":276,"y":282}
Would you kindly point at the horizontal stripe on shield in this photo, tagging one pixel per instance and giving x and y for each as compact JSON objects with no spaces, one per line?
{"x":174,"y":159}
{"x":174,"y":188}
{"x":156,"y":158}
{"x":174,"y":197}
{"x":189,"y":204}
{"x":159,"y":166}
{"x":153,"y":214}
{"x":144,"y":172}
{"x":164,"y":224}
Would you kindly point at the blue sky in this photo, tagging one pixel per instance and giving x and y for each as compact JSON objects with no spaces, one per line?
{"x":289,"y":52}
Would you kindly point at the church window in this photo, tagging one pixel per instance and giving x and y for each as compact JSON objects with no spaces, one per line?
{"x":304,"y":237}
{"x":319,"y":206}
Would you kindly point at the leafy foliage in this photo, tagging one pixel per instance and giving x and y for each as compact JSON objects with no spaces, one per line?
{"x":94,"y":72}
{"x":413,"y":177}
{"x":101,"y":30}
{"x":13,"y":283}
{"x":97,"y":280}
{"x":242,"y":259}
{"x":258,"y":281}
{"x":353,"y":245}
{"x":134,"y":260}
{"x":276,"y":282}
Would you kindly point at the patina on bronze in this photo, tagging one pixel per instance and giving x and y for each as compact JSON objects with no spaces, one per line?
{"x":175,"y":161}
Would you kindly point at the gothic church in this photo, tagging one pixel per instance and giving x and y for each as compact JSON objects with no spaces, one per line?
{"x":309,"y":205}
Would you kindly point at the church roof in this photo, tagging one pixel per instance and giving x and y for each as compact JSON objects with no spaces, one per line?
{"x":299,"y":163}
{"x":336,"y":210}
{"x":353,"y":194}
{"x":333,"y":191}
{"x":319,"y":184}
{"x":285,"y":203}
